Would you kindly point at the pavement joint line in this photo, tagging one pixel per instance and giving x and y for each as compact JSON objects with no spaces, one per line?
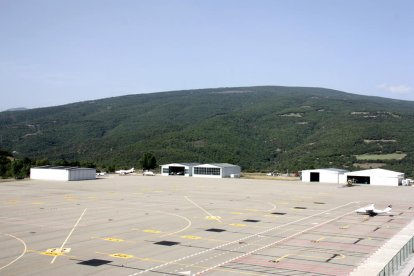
{"x":201,"y":208}
{"x":20,"y":256}
{"x":70,"y":233}
{"x":271,"y":244}
{"x":245,"y":238}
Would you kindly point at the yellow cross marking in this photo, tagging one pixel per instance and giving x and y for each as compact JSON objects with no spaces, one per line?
{"x":213,"y":217}
{"x":122,"y":256}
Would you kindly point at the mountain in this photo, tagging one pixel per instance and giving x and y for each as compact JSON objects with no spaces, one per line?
{"x":258,"y":128}
{"x":17,"y":109}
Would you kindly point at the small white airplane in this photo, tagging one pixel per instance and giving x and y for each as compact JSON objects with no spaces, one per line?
{"x":125,"y":172}
{"x":372,"y":212}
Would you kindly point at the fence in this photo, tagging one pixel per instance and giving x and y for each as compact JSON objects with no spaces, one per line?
{"x":399,"y":258}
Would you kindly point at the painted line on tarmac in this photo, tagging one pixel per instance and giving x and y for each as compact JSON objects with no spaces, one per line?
{"x":274,"y":207}
{"x":272,"y":244}
{"x":202,"y":209}
{"x":245,"y":238}
{"x":70,"y":233}
{"x":179,"y":231}
{"x":20,"y":256}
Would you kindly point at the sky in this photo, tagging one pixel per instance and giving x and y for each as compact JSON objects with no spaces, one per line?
{"x":55,"y":52}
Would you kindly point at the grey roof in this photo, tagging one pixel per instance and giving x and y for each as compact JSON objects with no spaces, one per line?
{"x":222,"y":165}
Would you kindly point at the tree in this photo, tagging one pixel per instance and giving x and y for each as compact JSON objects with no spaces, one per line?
{"x":148,"y":161}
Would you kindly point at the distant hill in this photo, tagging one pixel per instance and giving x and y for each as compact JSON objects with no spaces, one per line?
{"x":17,"y":109}
{"x":259,"y":128}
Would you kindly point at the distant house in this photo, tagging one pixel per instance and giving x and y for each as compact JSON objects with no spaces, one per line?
{"x":216,"y":170}
{"x":330,"y":175}
{"x":62,"y":173}
{"x":183,"y":169}
{"x":379,"y":177}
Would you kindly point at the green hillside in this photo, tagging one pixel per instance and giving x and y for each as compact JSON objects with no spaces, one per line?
{"x":259,"y":128}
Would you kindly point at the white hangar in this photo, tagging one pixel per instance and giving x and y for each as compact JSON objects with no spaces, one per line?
{"x":330,"y":175}
{"x":62,"y":173}
{"x":379,"y":177}
{"x":216,"y":170}
{"x":183,"y":169}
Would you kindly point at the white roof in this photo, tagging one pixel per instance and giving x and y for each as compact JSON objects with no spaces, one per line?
{"x":377,"y":172}
{"x":181,"y":165}
{"x":328,"y":170}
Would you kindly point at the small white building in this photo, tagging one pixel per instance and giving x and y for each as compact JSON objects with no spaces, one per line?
{"x":183,"y":169}
{"x":375,"y":177}
{"x":62,"y":173}
{"x":331,"y":175}
{"x":216,"y":170}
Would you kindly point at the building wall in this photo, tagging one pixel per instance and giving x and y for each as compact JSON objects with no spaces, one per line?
{"x":228,"y":171}
{"x":49,"y":174}
{"x":208,"y":175}
{"x":82,"y":174}
{"x":324,"y":176}
{"x":62,"y":174}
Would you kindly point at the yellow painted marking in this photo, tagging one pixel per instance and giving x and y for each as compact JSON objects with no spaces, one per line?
{"x":141,"y":259}
{"x":113,"y":239}
{"x":318,"y":240}
{"x":12,"y":201}
{"x":52,"y":253}
{"x":237,"y":224}
{"x":281,"y":258}
{"x":344,"y":227}
{"x":122,"y":256}
{"x":284,"y":203}
{"x":55,"y":251}
{"x":92,"y":197}
{"x":236,"y":213}
{"x":38,"y":203}
{"x":213,"y":217}
{"x":151,"y":231}
{"x":191,"y":237}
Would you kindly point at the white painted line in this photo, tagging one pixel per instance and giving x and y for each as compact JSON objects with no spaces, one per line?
{"x":21,"y":255}
{"x":241,"y":239}
{"x":201,"y":208}
{"x":274,"y":207}
{"x":181,"y":230}
{"x":70,"y":233}
{"x":271,"y":244}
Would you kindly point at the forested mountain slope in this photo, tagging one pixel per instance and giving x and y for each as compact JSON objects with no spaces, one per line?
{"x":259,"y":128}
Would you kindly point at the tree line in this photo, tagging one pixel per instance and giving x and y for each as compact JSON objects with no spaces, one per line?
{"x":19,"y":168}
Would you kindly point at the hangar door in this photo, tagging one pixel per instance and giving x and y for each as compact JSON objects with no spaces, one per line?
{"x":359,"y":179}
{"x":176,"y":170}
{"x":314,"y":177}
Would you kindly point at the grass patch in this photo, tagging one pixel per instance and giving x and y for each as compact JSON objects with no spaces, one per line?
{"x":390,"y":156}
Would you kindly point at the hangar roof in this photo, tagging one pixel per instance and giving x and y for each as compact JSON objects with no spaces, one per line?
{"x":329,"y":169}
{"x":220,"y":165}
{"x":381,"y":172}
{"x":182,"y":164}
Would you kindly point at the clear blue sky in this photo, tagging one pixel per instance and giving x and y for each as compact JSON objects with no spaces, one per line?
{"x":61,"y":51}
